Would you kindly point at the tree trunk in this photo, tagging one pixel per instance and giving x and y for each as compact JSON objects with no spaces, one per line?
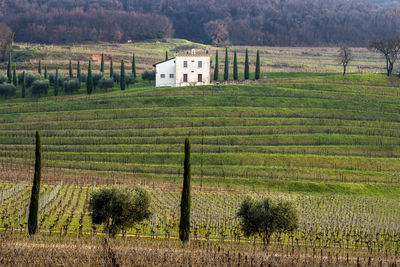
{"x":390,"y":69}
{"x":344,"y":70}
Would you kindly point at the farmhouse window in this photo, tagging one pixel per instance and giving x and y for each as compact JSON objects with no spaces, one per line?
{"x":171,"y":76}
{"x":200,"y":64}
{"x":162,"y":75}
{"x":185,"y":78}
{"x":185,"y":64}
{"x":200,"y":77}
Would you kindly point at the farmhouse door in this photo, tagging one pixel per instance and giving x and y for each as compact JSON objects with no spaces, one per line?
{"x":185,"y":78}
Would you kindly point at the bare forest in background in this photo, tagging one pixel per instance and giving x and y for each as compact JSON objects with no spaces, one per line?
{"x":219,"y":22}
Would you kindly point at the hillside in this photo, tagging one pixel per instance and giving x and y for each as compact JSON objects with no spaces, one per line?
{"x":299,"y":132}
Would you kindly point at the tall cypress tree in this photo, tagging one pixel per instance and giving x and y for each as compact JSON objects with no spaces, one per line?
{"x":111,"y":68}
{"x":23,"y":85}
{"x":89,"y":81}
{"x":56,"y":84}
{"x":246,"y":66}
{"x":15,"y":78}
{"x":235,"y":67}
{"x":71,"y":74}
{"x":184,"y":225}
{"x":226,"y":69}
{"x":9,"y":69}
{"x":102,"y":64}
{"x":258,"y":67}
{"x":216,"y":67}
{"x":34,"y":204}
{"x":45,"y":72}
{"x":40,"y":68}
{"x":166,"y":55}
{"x":78,"y":71}
{"x":133,"y":65}
{"x":122,"y":82}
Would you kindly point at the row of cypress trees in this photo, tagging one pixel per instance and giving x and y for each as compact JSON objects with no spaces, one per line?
{"x":235,"y":66}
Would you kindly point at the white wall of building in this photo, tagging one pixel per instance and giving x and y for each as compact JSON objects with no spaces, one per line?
{"x":165,"y":73}
{"x":192,"y":69}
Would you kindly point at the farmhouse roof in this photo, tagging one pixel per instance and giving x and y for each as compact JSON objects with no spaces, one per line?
{"x":163,"y":61}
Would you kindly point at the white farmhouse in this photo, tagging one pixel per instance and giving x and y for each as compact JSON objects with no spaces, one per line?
{"x":183,"y":70}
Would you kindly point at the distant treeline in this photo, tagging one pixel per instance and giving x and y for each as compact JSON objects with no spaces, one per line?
{"x":252,"y":22}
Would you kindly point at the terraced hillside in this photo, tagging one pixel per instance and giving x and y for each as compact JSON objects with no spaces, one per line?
{"x":301,"y":132}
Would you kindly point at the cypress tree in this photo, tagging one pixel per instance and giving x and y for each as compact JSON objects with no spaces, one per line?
{"x":89,"y":81}
{"x":15,"y":78}
{"x":184,"y":225}
{"x":166,"y":55}
{"x":78,"y":71}
{"x":122,"y":81}
{"x":34,"y":204}
{"x":40,"y":68}
{"x":111,"y":68}
{"x":102,"y":64}
{"x":71,"y":74}
{"x":235,"y":67}
{"x":257,"y":75}
{"x":216,"y":67}
{"x":246,"y":66}
{"x":226,"y":70}
{"x":23,"y":85}
{"x":56,"y":84}
{"x":9,"y":71}
{"x":133,"y":65}
{"x":45,"y":72}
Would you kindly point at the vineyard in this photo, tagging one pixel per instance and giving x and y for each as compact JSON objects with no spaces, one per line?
{"x":328,"y":142}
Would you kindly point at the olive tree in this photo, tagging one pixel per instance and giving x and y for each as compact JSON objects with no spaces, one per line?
{"x":119,"y":208}
{"x":266,"y":216}
{"x":389,"y":47}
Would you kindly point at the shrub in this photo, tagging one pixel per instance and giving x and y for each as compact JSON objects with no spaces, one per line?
{"x":7,"y":89}
{"x":119,"y":208}
{"x":106,"y":83}
{"x":40,"y":87}
{"x":29,"y":78}
{"x":265,"y":216}
{"x":2,"y":78}
{"x":117,"y":76}
{"x":62,"y":79}
{"x":149,"y":75}
{"x":52,"y":78}
{"x":71,"y":85}
{"x":83,"y":77}
{"x":96,"y":78}
{"x":130,"y":79}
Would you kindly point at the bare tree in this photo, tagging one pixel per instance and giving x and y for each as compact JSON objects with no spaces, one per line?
{"x":217,"y":32}
{"x":389,"y":47}
{"x":6,"y":41}
{"x":344,"y":57}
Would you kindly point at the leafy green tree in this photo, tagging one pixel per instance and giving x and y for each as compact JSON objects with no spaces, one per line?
{"x":258,"y":65}
{"x":184,"y":225}
{"x":71,"y":85}
{"x":15,"y":78}
{"x":23,"y":85}
{"x":40,"y":68}
{"x":78,"y":71}
{"x":226,"y":69}
{"x":102,"y":63}
{"x":246,"y":66}
{"x":122,"y":82}
{"x":119,"y":208}
{"x":106,"y":83}
{"x":34,"y":204}
{"x":7,"y":89}
{"x":216,"y":67}
{"x":9,"y":69}
{"x":56,"y":83}
{"x":133,"y":65}
{"x":45,"y":72}
{"x":149,"y":75}
{"x":266,"y":216}
{"x":111,"y":68}
{"x":40,"y":87}
{"x":130,"y":79}
{"x":235,"y":67}
{"x":71,"y":74}
{"x":89,"y":81}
